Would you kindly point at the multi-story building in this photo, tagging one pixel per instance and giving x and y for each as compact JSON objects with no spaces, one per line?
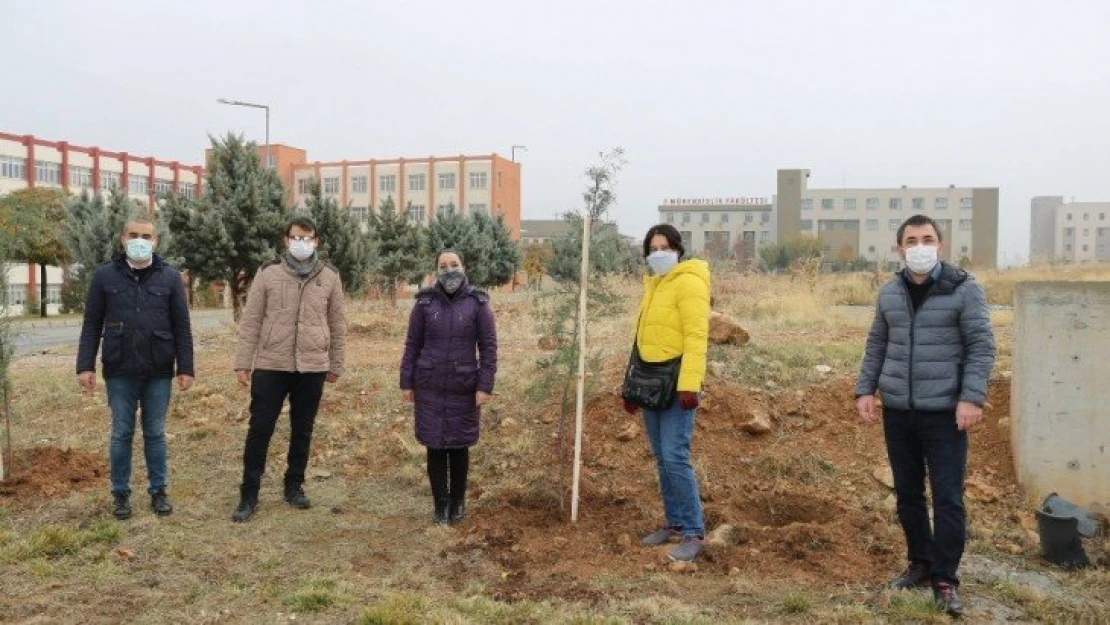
{"x":851,"y":223}
{"x":28,"y":161}
{"x":421,"y":186}
{"x":1070,"y":232}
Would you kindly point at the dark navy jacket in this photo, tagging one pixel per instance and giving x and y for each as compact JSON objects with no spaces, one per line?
{"x":144,"y":322}
{"x":450,"y":354}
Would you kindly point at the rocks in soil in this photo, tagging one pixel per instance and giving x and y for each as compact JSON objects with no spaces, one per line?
{"x":716,"y":369}
{"x":759,"y":424}
{"x":722,"y":536}
{"x":823,"y":369}
{"x":884,"y":475}
{"x":628,"y":432}
{"x":684,"y":567}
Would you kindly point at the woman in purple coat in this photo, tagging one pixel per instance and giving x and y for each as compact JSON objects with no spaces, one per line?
{"x":447,"y":372}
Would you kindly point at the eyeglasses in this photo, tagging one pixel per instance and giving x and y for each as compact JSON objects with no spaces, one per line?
{"x":306,"y":238}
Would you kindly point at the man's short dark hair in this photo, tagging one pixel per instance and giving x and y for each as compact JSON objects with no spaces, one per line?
{"x":919,"y":220}
{"x":670,"y":233}
{"x":304,"y":223}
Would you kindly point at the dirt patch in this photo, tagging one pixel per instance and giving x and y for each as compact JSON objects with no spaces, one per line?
{"x":801,"y":498}
{"x":51,"y":472}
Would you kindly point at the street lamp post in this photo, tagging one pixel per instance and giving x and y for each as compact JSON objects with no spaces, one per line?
{"x":255,"y":106}
{"x":518,"y":147}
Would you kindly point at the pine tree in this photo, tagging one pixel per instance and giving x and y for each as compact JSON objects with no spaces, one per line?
{"x":502,"y":257}
{"x":92,"y":234}
{"x":341,"y":240}
{"x":398,"y":246}
{"x":236,"y":225}
{"x":459,"y":232}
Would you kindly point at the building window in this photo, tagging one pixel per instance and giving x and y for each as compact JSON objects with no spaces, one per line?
{"x":893,"y":225}
{"x":873,"y":225}
{"x":13,"y":167}
{"x":498,"y":180}
{"x":271,"y":160}
{"x":828,"y":204}
{"x":1084,"y":248}
{"x":109,"y":179}
{"x":687,"y":239}
{"x":748,"y":218}
{"x":303,"y":185}
{"x":668,"y":217}
{"x":826,"y":226}
{"x":359,"y":214}
{"x":1067,"y":248}
{"x":447,"y":182}
{"x":163,"y":187}
{"x":1069,"y":216}
{"x":331,"y":185}
{"x":872,"y":203}
{"x":765,"y":218}
{"x":918,"y":203}
{"x":963,"y":250}
{"x":851,"y":225}
{"x":48,"y":173}
{"x":477,"y":208}
{"x":387,"y":184}
{"x":478,"y":180}
{"x":705,"y":218}
{"x":418,"y":182}
{"x":965,"y":224}
{"x":807,"y":225}
{"x":870,"y":249}
{"x":1069,"y":232}
{"x":358,"y":184}
{"x":724,"y":218}
{"x":416,"y":213}
{"x":965,"y":202}
{"x":1086,"y":216}
{"x":807,"y":204}
{"x":138,"y":185}
{"x":685,"y":218}
{"x":17,"y":294}
{"x":1103,"y":231}
{"x":764,"y":236}
{"x":1086,"y":232}
{"x":942,"y":203}
{"x":80,"y":176}
{"x":445,"y":209}
{"x":188,"y":190}
{"x":1102,"y":216}
{"x":895,"y":204}
{"x":850,"y":204}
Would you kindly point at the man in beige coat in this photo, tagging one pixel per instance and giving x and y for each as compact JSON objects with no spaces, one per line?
{"x":291,"y":339}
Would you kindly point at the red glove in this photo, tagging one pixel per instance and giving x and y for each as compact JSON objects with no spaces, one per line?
{"x":688,"y":400}
{"x":630,"y":407}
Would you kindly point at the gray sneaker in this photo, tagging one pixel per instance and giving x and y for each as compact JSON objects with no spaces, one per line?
{"x":660,"y":536}
{"x":687,"y":550}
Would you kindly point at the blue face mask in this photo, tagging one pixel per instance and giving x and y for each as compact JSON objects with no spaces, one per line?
{"x":139,"y":250}
{"x":662,"y":261}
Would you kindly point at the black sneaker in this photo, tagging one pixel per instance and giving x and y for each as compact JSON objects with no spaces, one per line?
{"x":247,"y":506}
{"x":122,"y":506}
{"x":442,"y":513}
{"x":458,"y":510}
{"x":915,"y":575}
{"x":947,"y":597}
{"x":160,"y":503}
{"x":294,"y":496}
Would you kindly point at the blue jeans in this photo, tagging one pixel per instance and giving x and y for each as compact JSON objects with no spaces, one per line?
{"x":916,"y":442}
{"x":670,"y":431}
{"x":125,"y":396}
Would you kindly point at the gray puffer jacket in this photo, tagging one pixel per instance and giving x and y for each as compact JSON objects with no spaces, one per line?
{"x":936,"y":357}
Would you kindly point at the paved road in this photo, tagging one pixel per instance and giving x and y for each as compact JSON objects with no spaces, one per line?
{"x":33,"y":336}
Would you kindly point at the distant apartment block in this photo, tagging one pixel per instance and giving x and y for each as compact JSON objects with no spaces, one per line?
{"x":851,"y":223}
{"x":1069,"y":232}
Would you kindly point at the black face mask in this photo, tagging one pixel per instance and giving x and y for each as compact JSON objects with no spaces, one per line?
{"x":451,"y":280}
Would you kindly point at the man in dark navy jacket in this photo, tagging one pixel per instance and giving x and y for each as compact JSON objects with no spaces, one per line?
{"x":138,"y":305}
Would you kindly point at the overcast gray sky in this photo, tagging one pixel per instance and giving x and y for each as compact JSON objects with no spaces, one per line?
{"x":708,"y":98}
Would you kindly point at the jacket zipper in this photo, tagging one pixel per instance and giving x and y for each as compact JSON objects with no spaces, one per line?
{"x":297,"y":322}
{"x":913,"y":327}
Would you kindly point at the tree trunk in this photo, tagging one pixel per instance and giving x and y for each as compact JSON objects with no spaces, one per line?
{"x":236,"y":304}
{"x":42,"y":290}
{"x":192,"y":298}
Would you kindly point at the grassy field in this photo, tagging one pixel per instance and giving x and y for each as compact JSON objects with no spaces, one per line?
{"x":809,"y":536}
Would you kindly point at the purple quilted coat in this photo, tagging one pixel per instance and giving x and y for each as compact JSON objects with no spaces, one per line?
{"x":450,"y":354}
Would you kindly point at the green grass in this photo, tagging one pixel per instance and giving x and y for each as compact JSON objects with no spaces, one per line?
{"x":55,"y":541}
{"x":916,"y":607}
{"x":791,"y":364}
{"x":795,"y":603}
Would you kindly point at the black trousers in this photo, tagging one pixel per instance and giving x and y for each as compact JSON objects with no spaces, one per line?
{"x":441,"y":462}
{"x":268,"y":392}
{"x":920,"y":443}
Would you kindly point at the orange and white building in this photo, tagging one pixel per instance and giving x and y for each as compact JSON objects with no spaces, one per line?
{"x":27,"y":161}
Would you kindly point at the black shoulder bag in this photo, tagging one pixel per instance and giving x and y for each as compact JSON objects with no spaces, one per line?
{"x":650,"y":385}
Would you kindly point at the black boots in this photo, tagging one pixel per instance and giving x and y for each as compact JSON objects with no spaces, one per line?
{"x":458,"y":508}
{"x":160,"y":503}
{"x":248,"y":503}
{"x":294,"y":496}
{"x":442,"y":511}
{"x":121,"y":508}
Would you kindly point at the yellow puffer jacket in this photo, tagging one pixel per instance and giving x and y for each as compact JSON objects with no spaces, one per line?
{"x":674,"y":320}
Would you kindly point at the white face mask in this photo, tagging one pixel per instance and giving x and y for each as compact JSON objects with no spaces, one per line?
{"x":662,"y":261}
{"x":302,"y":250}
{"x":921,"y":259}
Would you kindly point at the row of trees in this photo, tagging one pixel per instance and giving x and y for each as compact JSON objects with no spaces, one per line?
{"x":235,"y":226}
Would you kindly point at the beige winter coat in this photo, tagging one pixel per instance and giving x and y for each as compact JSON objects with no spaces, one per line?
{"x":292,"y":323}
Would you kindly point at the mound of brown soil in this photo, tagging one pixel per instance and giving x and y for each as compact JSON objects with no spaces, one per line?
{"x":51,"y":472}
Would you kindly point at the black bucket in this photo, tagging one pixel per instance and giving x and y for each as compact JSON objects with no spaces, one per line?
{"x":1060,"y":543}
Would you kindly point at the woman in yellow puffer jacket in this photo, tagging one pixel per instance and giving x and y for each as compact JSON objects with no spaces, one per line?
{"x":673,"y":322}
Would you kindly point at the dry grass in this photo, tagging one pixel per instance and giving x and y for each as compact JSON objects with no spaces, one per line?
{"x":366,"y":553}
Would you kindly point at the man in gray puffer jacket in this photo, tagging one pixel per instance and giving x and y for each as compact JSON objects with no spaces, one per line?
{"x":929,"y":354}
